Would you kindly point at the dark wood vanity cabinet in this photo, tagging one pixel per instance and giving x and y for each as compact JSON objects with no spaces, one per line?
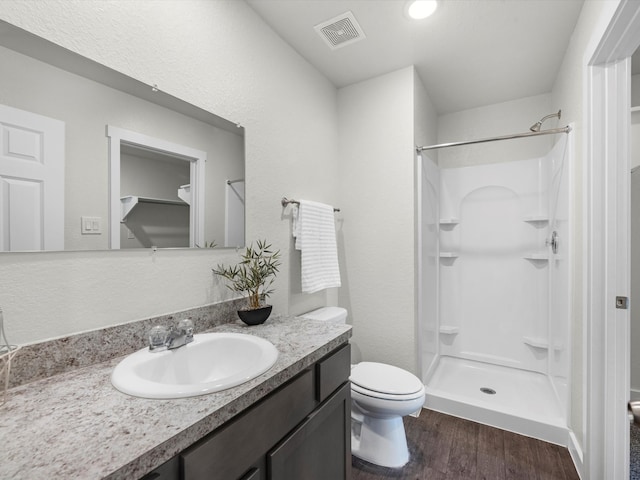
{"x":300,"y":431}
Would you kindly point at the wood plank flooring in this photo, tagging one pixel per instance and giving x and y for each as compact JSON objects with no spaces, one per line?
{"x":450,"y":448}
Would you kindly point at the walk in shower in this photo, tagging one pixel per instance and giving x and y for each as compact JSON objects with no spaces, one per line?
{"x":494,"y":300}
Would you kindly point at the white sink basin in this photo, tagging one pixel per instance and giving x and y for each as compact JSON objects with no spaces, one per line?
{"x":212,"y":362}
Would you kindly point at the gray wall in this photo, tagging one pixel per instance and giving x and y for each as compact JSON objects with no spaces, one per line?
{"x":241,"y":71}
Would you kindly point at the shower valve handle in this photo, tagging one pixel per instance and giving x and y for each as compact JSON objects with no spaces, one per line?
{"x":553,"y":241}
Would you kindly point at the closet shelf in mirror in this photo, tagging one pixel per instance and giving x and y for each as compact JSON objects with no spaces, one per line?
{"x":129,"y":202}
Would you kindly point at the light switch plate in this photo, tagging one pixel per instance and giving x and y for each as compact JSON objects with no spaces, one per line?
{"x":90,"y":225}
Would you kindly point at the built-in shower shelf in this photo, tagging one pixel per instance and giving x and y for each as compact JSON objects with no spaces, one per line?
{"x":536,"y":342}
{"x":448,"y":255}
{"x":539,"y":257}
{"x":449,"y":330}
{"x":635,"y":109}
{"x":449,"y":221}
{"x":536,"y":219}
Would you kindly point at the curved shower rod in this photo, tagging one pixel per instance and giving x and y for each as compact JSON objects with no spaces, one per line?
{"x":566,"y":129}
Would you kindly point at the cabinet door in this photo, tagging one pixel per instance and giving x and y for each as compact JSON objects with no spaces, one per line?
{"x":230,"y":451}
{"x":320,"y":447}
{"x":253,"y":474}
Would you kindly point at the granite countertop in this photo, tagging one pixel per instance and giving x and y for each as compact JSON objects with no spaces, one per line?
{"x":76,"y":425}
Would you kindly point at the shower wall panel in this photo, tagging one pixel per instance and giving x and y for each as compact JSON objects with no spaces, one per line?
{"x":428,"y":211}
{"x":559,"y":161}
{"x":494,"y":264}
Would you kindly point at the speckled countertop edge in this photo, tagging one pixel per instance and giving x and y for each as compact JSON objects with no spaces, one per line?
{"x":77,"y":425}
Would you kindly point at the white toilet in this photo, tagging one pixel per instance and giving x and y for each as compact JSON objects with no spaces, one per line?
{"x":381,"y":395}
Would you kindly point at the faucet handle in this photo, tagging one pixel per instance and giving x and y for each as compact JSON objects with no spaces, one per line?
{"x":185,"y":326}
{"x":158,"y":338}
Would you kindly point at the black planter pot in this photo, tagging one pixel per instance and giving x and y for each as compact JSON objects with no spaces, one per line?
{"x":255,"y":317}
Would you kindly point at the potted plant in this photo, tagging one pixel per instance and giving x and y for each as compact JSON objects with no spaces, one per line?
{"x":253,"y":276}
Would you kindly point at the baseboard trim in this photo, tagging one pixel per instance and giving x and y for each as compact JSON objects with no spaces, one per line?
{"x":575,"y":450}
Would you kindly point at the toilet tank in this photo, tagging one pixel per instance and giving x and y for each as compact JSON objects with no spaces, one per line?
{"x":327,"y":314}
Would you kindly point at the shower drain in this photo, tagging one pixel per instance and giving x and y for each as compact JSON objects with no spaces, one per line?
{"x":488,"y":391}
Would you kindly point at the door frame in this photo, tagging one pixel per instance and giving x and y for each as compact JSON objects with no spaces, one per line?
{"x":607,"y":242}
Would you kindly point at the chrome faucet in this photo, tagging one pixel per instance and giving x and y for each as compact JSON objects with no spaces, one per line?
{"x":163,"y":338}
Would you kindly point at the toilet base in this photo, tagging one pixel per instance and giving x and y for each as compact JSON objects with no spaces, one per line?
{"x":381,"y":441}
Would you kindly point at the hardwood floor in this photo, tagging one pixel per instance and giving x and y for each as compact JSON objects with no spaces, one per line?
{"x":450,"y":448}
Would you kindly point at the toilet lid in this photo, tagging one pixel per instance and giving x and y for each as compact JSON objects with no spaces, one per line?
{"x":383,"y":378}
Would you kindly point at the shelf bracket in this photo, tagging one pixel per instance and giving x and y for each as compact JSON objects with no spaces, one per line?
{"x":127,"y":204}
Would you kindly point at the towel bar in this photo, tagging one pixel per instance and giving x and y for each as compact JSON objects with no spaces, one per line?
{"x":285,"y":201}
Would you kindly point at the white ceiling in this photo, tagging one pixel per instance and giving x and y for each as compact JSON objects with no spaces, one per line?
{"x":468,"y":54}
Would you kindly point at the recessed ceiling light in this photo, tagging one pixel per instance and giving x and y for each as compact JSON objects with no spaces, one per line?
{"x":419,"y":9}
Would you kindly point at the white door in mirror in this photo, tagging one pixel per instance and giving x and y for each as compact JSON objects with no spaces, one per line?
{"x":31,"y":181}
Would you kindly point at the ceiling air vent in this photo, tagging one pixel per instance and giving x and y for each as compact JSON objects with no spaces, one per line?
{"x":340,"y":31}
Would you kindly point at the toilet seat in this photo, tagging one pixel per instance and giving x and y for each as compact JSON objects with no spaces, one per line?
{"x":387,"y":396}
{"x":385,"y":381}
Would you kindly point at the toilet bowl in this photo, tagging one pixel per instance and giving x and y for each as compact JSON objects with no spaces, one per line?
{"x":381,"y":395}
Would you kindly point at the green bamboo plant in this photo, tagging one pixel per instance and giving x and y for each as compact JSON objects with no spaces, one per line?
{"x":255,"y":273}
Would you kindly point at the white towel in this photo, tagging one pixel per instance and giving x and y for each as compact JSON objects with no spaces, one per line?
{"x":315,"y":233}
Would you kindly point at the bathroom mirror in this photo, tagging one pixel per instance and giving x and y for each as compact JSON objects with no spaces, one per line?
{"x":81,"y":143}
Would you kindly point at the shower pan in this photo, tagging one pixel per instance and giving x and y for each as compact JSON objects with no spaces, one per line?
{"x":494,"y":342}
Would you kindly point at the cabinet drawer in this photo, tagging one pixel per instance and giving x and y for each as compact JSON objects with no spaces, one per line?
{"x":332,"y":371}
{"x":226,"y":453}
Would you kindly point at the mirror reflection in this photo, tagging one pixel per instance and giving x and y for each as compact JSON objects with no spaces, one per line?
{"x":155,"y":199}
{"x":92,"y":159}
